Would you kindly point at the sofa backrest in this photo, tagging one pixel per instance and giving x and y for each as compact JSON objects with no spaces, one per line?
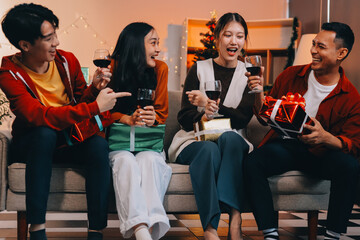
{"x":172,"y":125}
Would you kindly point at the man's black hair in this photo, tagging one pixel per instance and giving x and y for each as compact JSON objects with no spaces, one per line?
{"x":344,"y":35}
{"x":23,"y":22}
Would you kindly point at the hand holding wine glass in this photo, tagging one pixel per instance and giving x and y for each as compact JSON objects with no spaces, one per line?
{"x":253,"y":66}
{"x":102,"y":75}
{"x":213,"y":90}
{"x":145,"y":100}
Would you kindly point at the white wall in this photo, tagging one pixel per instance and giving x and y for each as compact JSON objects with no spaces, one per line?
{"x":108,"y":17}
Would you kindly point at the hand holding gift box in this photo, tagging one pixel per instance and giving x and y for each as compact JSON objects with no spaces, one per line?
{"x":287,"y":115}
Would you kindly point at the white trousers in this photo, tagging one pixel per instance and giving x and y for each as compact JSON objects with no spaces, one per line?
{"x":140,"y":184}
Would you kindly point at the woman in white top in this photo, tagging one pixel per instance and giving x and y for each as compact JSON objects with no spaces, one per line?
{"x":216,"y":167}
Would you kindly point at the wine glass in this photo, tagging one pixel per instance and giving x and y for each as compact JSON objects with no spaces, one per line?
{"x":253,"y":65}
{"x":102,"y":58}
{"x":213,"y":90}
{"x":145,"y":97}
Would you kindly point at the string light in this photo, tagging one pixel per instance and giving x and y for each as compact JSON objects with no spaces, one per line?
{"x":81,"y":22}
{"x":78,"y":23}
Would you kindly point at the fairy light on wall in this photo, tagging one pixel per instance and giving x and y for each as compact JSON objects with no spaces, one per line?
{"x":81,"y":22}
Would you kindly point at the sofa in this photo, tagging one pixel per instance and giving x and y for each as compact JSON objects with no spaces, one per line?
{"x":291,"y":191}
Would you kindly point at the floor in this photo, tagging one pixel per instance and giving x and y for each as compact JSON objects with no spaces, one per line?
{"x":292,"y":225}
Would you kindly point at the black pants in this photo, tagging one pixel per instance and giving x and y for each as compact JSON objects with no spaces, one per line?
{"x":280,"y":156}
{"x":38,"y":149}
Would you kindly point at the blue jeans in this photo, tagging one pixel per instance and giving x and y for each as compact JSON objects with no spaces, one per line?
{"x":282,"y":155}
{"x":216,"y":171}
{"x":38,"y":148}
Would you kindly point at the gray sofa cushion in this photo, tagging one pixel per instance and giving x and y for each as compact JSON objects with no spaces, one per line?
{"x":63,"y":179}
{"x":295,"y":182}
{"x":72,"y":180}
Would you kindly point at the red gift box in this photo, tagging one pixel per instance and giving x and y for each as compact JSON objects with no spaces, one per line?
{"x":287,"y":115}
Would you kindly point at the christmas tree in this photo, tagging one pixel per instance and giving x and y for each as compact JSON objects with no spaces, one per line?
{"x":208,"y":40}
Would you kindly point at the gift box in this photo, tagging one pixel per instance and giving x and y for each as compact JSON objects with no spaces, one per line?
{"x":136,"y":138}
{"x":287,"y":115}
{"x":211,"y":130}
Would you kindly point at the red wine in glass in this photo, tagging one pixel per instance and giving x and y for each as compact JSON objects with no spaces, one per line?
{"x":254,"y":70}
{"x":213,"y":95}
{"x":102,"y":58}
{"x":102,"y":63}
{"x":253,"y":65}
{"x":213,"y":90}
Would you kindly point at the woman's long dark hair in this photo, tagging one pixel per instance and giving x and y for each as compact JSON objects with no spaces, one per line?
{"x":130,"y":67}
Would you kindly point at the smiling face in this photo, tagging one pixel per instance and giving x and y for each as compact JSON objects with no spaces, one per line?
{"x":44,"y":48}
{"x":152,"y":48}
{"x":231,"y":41}
{"x":326,"y":53}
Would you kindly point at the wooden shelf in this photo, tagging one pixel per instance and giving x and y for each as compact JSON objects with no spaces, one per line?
{"x":269,"y":54}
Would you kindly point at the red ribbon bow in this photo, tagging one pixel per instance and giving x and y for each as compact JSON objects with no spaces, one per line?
{"x":287,"y":108}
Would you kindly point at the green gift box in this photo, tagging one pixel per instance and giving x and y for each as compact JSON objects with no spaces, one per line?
{"x":136,"y":138}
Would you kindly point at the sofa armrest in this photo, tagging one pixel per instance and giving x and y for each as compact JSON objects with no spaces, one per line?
{"x":4,"y":143}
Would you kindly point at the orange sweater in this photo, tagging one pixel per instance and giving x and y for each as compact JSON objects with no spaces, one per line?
{"x":161,"y":103}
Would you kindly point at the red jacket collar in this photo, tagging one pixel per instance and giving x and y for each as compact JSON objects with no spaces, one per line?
{"x":14,"y":69}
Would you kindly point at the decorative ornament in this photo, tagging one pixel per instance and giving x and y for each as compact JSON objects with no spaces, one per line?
{"x":213,"y":14}
{"x":291,"y":47}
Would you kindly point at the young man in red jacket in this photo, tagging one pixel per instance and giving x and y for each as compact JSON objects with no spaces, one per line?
{"x":330,"y":150}
{"x":48,"y":93}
